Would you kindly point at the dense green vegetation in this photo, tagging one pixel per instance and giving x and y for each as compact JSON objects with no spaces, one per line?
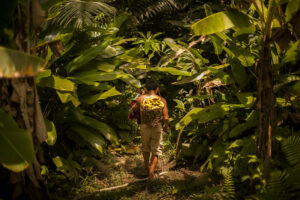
{"x":228,"y":69}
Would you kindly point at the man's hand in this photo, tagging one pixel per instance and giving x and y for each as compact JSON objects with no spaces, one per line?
{"x":165,"y":128}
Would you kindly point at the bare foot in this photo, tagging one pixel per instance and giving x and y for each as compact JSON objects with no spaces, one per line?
{"x":152,"y":176}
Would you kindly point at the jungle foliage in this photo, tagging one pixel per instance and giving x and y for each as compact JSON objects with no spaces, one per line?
{"x":229,"y":71}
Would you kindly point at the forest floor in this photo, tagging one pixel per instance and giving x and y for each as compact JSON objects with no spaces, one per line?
{"x":176,"y":182}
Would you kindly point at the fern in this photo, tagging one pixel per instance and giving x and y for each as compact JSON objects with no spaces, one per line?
{"x":228,"y":187}
{"x":77,"y":14}
{"x":291,"y":148}
{"x":277,"y":185}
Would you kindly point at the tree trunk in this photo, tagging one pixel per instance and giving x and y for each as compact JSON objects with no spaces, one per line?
{"x":265,"y":104}
{"x":19,"y":98}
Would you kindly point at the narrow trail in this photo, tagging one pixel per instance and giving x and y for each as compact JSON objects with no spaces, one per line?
{"x":120,"y":177}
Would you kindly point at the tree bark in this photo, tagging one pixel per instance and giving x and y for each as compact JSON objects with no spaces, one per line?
{"x":266,"y":102}
{"x":19,"y":98}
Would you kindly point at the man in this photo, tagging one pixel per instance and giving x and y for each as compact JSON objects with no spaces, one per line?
{"x":152,"y":108}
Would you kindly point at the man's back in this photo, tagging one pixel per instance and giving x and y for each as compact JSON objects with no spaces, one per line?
{"x":151,"y":109}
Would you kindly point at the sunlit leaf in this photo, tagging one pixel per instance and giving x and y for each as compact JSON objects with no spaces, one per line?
{"x":282,"y":102}
{"x":203,"y":115}
{"x":180,"y":104}
{"x":56,"y":82}
{"x":14,"y":62}
{"x":68,"y":96}
{"x":291,"y":9}
{"x":51,"y":130}
{"x":247,"y":99}
{"x":16,"y":146}
{"x":94,"y":98}
{"x":220,"y":21}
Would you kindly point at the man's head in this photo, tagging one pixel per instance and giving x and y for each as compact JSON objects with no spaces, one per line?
{"x":152,"y":85}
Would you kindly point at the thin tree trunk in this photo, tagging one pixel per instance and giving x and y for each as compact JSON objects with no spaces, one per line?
{"x":265,"y":104}
{"x":19,"y":98}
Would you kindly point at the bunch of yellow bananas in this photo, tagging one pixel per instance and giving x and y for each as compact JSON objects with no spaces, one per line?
{"x":153,"y":103}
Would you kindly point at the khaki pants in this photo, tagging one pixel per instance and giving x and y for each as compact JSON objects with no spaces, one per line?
{"x":151,"y":139}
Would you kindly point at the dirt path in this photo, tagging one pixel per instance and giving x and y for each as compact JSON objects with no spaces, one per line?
{"x":118,"y":169}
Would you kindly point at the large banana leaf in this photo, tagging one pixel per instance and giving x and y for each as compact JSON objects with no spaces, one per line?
{"x":16,"y":146}
{"x":221,"y":21}
{"x":203,"y":115}
{"x":56,"y":82}
{"x":100,"y":127}
{"x":103,"y":128}
{"x":86,"y":56}
{"x":94,"y":98}
{"x":90,"y":136}
{"x":14,"y":62}
{"x":90,"y":77}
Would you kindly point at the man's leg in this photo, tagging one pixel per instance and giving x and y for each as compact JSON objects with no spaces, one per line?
{"x":146,"y":156}
{"x":154,"y":159}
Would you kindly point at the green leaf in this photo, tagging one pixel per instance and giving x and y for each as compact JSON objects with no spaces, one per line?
{"x":239,"y":73}
{"x":240,"y":128}
{"x":86,"y":56}
{"x":51,"y":130}
{"x":245,"y":30}
{"x":291,"y":9}
{"x":208,"y":10}
{"x":246,"y":98}
{"x":94,"y":98}
{"x":101,"y":127}
{"x":201,"y":75}
{"x":203,"y":115}
{"x":220,"y":21}
{"x":57,"y":83}
{"x":180,"y":104}
{"x":43,"y":74}
{"x":12,"y":62}
{"x":90,"y":136}
{"x":285,"y":80}
{"x":292,"y":55}
{"x":68,"y":96}
{"x":90,"y":77}
{"x":16,"y":146}
{"x":106,"y":67}
{"x":244,"y":55}
{"x":282,"y":102}
{"x":170,"y":70}
{"x":172,"y":44}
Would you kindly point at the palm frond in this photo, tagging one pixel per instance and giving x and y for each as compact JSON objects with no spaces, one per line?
{"x":77,"y":14}
{"x":145,"y":9}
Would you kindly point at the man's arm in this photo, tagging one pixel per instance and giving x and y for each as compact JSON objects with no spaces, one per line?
{"x":136,"y":107}
{"x":165,"y":115}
